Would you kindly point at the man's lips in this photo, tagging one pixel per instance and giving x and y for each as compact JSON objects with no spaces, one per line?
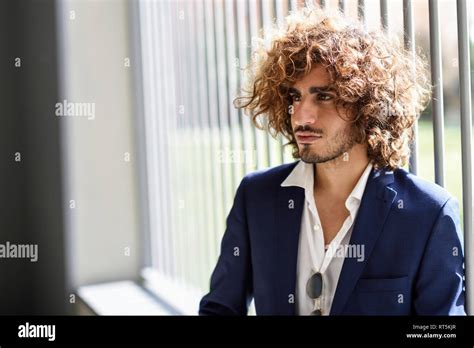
{"x":307,"y":138}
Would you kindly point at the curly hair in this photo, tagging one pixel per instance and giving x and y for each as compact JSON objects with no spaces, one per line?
{"x":371,"y":72}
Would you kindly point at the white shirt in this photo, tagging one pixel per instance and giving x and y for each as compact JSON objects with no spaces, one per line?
{"x":312,"y":257}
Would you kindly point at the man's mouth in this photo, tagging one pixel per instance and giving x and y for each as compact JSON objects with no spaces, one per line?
{"x":306,"y":137}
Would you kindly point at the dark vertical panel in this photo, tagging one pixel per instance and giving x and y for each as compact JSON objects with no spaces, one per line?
{"x":31,"y":204}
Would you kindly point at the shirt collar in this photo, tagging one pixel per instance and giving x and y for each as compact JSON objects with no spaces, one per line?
{"x":303,"y":176}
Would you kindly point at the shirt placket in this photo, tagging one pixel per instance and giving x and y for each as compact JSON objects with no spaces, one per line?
{"x":320,"y":258}
{"x":316,"y":238}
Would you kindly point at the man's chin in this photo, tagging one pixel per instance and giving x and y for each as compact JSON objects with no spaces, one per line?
{"x":312,"y":157}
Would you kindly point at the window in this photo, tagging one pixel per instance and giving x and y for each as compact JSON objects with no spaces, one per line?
{"x":198,"y":146}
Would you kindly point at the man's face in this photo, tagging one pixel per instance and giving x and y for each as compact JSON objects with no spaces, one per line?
{"x":321,"y":133}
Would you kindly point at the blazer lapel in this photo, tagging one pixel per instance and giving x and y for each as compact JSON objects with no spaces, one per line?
{"x":289,"y":210}
{"x":373,"y":211}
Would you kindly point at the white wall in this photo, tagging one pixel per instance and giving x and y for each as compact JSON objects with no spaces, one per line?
{"x":94,"y":41}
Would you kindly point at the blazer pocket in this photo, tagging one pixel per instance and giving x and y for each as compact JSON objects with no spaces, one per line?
{"x":382,"y":284}
{"x":380,"y":296}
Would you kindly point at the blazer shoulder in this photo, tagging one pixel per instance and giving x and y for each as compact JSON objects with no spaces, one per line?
{"x":270,"y":176}
{"x":423,"y":190}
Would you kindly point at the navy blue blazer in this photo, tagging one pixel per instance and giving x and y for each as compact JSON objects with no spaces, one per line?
{"x":409,"y":227}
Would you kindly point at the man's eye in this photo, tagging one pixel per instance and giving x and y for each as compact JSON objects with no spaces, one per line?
{"x":294,"y":98}
{"x":325,"y":97}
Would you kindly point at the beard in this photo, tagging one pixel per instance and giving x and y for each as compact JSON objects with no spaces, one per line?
{"x":339,"y":144}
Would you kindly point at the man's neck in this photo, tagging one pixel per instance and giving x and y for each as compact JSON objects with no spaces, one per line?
{"x":337,"y":178}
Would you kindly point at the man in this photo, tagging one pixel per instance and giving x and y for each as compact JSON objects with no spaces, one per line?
{"x":344,"y":230}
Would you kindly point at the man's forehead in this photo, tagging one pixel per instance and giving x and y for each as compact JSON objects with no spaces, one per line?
{"x":317,"y":77}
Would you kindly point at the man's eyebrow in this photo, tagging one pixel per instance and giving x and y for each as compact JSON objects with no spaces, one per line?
{"x":312,"y":89}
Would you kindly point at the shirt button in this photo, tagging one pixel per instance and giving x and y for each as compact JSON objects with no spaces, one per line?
{"x":316,"y":227}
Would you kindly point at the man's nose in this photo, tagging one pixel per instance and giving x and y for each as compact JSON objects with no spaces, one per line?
{"x":305,"y":113}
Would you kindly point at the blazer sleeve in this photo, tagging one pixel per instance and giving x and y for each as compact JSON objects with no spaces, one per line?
{"x":231,"y":281}
{"x":439,"y":288}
